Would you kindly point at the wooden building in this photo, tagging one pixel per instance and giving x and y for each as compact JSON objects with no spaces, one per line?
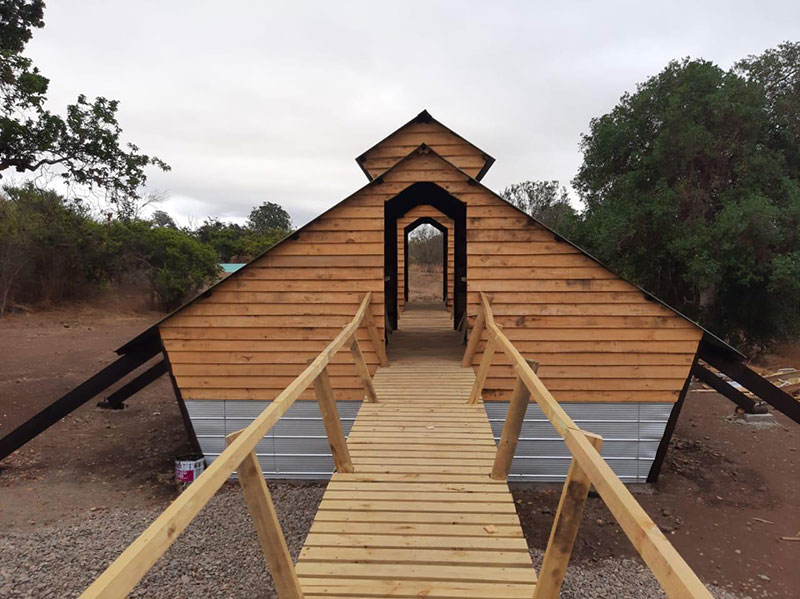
{"x":615,"y":357}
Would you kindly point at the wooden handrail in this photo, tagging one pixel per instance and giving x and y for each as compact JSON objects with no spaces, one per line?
{"x":129,"y":568}
{"x":669,"y":568}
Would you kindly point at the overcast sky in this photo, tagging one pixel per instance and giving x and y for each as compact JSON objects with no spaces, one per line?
{"x":255,"y":101}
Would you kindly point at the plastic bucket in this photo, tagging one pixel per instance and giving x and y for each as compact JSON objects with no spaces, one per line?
{"x":189,"y":467}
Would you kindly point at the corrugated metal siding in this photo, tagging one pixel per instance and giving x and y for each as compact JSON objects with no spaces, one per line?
{"x":631,"y":434}
{"x":297,"y":447}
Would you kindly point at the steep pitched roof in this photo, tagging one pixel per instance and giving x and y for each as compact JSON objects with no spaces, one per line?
{"x":393,"y":148}
{"x":150,"y":332}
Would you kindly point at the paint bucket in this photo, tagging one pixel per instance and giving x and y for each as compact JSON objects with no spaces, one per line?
{"x":189,"y":467}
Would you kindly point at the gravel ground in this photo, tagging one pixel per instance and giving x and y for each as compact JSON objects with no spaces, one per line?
{"x":219,"y":556}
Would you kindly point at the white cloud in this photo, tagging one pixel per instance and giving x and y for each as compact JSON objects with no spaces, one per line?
{"x":253,"y":102}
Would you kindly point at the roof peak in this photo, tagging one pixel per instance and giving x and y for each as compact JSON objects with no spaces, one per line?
{"x":474,"y":160}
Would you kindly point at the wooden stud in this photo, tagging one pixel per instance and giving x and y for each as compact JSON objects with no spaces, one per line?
{"x":363,"y":370}
{"x":474,"y":339}
{"x":565,"y":527}
{"x":333,"y":425}
{"x":512,"y":427}
{"x":661,"y":557}
{"x":483,"y":370}
{"x":265,"y":520}
{"x":374,"y":336}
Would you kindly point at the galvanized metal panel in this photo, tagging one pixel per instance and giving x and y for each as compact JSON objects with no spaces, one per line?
{"x":297,"y":447}
{"x":631,"y":433}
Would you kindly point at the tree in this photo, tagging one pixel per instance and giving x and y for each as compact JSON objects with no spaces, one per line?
{"x":175,"y":263}
{"x":426,"y":246}
{"x":777,"y":72}
{"x":269,"y":217}
{"x":546,"y":201}
{"x":161,"y":218}
{"x":50,"y":249}
{"x":85,"y":147}
{"x":688,"y":193}
{"x":17,"y":17}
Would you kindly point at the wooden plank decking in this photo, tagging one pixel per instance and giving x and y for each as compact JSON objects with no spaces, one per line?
{"x":420,"y":516}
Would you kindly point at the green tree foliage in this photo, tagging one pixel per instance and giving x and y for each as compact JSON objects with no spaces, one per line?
{"x":52,"y":250}
{"x":546,"y":201}
{"x":235,"y":243}
{"x":691,"y":190}
{"x":163,"y":219}
{"x":269,"y":217}
{"x":175,"y":263}
{"x":777,"y":73}
{"x":85,"y":146}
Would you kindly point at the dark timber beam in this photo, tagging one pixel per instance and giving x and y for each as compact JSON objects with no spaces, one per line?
{"x":76,"y":398}
{"x":661,"y":452}
{"x":114,"y":401}
{"x":751,"y":380}
{"x":723,"y":387}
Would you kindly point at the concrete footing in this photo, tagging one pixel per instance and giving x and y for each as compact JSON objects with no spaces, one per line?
{"x":755,"y":420}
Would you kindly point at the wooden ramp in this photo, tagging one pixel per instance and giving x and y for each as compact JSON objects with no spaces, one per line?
{"x":420,"y":516}
{"x":419,"y":506}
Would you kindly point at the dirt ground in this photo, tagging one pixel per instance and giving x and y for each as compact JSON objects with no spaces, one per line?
{"x":727,"y":492}
{"x":94,"y":457}
{"x":424,"y":283}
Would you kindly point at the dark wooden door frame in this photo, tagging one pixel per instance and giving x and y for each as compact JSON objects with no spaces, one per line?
{"x":425,"y":220}
{"x":420,"y":194}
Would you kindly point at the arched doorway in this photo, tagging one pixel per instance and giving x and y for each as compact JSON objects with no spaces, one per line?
{"x":416,"y":195}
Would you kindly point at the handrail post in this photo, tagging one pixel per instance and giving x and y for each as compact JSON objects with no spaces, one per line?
{"x":565,"y":527}
{"x":363,"y":370}
{"x":332,"y":422}
{"x":483,"y":369}
{"x":517,"y":406}
{"x":265,"y":520}
{"x":474,"y":339}
{"x":377,"y":343}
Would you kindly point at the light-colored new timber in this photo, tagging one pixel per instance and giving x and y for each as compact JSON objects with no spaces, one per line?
{"x":419,"y":516}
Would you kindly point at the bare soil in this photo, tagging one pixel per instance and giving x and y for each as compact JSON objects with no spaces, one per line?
{"x":425,"y":283}
{"x":727,"y":492}
{"x":94,"y":457}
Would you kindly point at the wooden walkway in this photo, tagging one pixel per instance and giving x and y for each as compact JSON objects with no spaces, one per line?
{"x":420,"y":516}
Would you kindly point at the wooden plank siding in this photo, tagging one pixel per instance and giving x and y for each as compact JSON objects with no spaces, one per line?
{"x":402,"y":223}
{"x":403,"y":141}
{"x":596,"y":337}
{"x":253,"y":335}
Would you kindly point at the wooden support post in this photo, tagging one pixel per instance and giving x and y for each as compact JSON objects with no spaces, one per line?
{"x":374,"y":336}
{"x":565,"y":527}
{"x":512,"y":427}
{"x":474,"y":339}
{"x":363,"y":370}
{"x":483,"y":370}
{"x":270,"y":535}
{"x":333,"y":425}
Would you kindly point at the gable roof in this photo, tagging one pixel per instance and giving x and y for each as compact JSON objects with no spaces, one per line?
{"x":424,"y":117}
{"x":150,"y":332}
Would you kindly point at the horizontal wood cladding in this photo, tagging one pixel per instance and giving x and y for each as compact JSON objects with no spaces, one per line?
{"x":402,"y":142}
{"x":596,"y":337}
{"x":408,"y":218}
{"x":253,"y":334}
